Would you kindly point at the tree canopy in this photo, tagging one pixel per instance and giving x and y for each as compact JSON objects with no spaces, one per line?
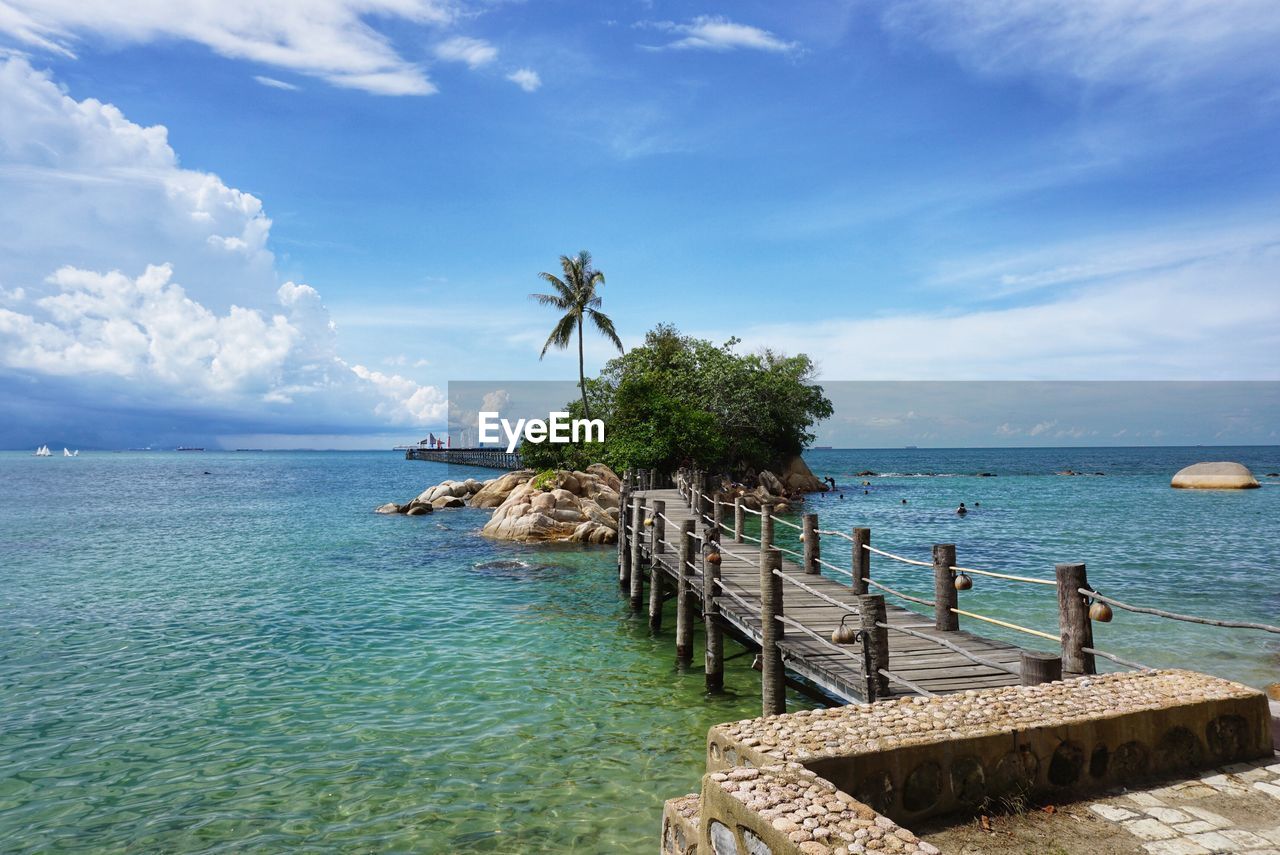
{"x":679,"y":400}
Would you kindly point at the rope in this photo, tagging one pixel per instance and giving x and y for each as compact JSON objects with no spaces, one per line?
{"x":783,"y":549}
{"x":786,"y":522}
{"x":746,"y":536}
{"x":910,"y":685}
{"x":751,"y":610}
{"x":1007,"y":625}
{"x":1116,"y":659}
{"x":1017,"y":672}
{"x":748,"y":510}
{"x":830,"y":566}
{"x":907,"y":597}
{"x":801,"y":585}
{"x":835,"y":533}
{"x":870,"y":548}
{"x":1233,"y":624}
{"x":995,"y":575}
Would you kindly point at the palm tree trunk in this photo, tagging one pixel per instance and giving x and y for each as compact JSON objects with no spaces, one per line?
{"x":582,"y":376}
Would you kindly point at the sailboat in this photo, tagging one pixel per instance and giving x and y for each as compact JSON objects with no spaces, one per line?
{"x":66,"y":453}
{"x":43,"y":451}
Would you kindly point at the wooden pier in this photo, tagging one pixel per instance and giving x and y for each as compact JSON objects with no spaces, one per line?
{"x":837,"y":635}
{"x":493,"y":458}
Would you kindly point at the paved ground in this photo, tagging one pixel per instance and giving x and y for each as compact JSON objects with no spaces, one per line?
{"x":1227,"y":810}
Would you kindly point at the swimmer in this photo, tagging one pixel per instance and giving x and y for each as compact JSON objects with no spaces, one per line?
{"x":962,"y":510}
{"x":904,"y":501}
{"x":977,"y":504}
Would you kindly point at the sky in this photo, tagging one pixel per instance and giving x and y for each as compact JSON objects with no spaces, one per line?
{"x":234,"y":225}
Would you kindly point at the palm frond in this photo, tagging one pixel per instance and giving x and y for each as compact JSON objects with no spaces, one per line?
{"x":605,"y":325}
{"x":562,"y":334}
{"x":554,"y":300}
{"x":562,"y":288}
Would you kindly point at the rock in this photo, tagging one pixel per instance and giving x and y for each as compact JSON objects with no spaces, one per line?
{"x":867,"y":473}
{"x":771,"y":484}
{"x":606,"y":476}
{"x":388,"y":508}
{"x":565,"y":506}
{"x":1273,"y":691}
{"x":419,"y":510}
{"x":1214,"y":476}
{"x":495,"y":492}
{"x":799,"y":478}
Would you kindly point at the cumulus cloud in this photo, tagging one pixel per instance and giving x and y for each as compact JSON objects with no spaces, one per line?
{"x":1120,"y":41}
{"x":526,"y":78}
{"x":124,"y":275}
{"x":473,"y":52}
{"x":329,"y":39}
{"x":712,"y":32}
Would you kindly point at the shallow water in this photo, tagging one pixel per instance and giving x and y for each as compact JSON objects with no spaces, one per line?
{"x":249,"y":659}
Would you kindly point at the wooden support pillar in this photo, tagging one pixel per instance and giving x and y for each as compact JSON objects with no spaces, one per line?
{"x":809,"y":535}
{"x":657,"y":577}
{"x":1040,"y":668}
{"x":860,"y":564}
{"x":717,"y":512}
{"x":739,"y":517}
{"x":766,"y":531}
{"x":637,"y":539}
{"x":1073,"y":620}
{"x":945,"y":596}
{"x":624,"y":540}
{"x":684,"y":596}
{"x":773,"y":682}
{"x":711,"y":624}
{"x":872,"y":612}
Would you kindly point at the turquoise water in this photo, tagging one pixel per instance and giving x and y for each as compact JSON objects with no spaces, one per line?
{"x":248,"y":660}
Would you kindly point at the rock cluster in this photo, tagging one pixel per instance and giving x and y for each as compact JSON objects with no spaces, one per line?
{"x":776,"y":492}
{"x":559,"y":505}
{"x":857,"y":729}
{"x":1215,"y":476}
{"x":815,"y":816}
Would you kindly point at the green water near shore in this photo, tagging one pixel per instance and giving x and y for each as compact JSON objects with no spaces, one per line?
{"x":250,"y":660}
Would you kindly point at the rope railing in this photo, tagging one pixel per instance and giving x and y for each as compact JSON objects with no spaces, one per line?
{"x":746,"y":536}
{"x":902,"y":681}
{"x":834,"y":533}
{"x":930,"y":603}
{"x":781,"y":521}
{"x":1007,"y":625}
{"x":1145,"y":610}
{"x":853,"y":610}
{"x":1009,"y":576}
{"x":845,"y":570}
{"x":872,"y":549}
{"x":753,"y":610}
{"x":989,"y":663}
{"x":786,"y":551}
{"x":786,"y":621}
{"x":1116,"y":659}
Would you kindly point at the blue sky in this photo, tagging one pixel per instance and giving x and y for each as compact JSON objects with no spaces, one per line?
{"x":217,"y":224}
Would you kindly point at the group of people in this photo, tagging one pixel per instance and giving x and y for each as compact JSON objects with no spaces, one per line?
{"x":831,"y":483}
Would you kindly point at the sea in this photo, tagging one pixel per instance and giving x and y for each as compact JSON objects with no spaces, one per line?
{"x":230,"y":652}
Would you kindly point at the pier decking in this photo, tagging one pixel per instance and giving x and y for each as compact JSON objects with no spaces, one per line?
{"x":836,"y":669}
{"x":493,"y":458}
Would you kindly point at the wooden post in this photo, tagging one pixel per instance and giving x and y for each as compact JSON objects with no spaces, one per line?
{"x":872,"y":612}
{"x":717,"y":512}
{"x":695,"y":494}
{"x":624,"y":545}
{"x":637,"y":538}
{"x":861,"y":562}
{"x":711,"y":625}
{"x":945,"y":596}
{"x":773,"y":685}
{"x":684,"y":596}
{"x":809,"y":534}
{"x":1073,"y":620}
{"x":766,"y":531}
{"x":1040,"y":668}
{"x":657,"y":580}
{"x":739,"y":517}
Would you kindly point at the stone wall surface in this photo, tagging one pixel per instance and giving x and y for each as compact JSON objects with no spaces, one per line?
{"x":780,"y":777}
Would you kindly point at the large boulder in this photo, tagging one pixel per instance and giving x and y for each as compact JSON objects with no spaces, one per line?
{"x":606,"y":476}
{"x":495,"y":492}
{"x":799,"y":478}
{"x":559,"y":506}
{"x":1215,"y":476}
{"x":771,"y":484}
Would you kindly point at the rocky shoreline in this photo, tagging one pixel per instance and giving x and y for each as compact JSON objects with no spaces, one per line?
{"x":582,"y":506}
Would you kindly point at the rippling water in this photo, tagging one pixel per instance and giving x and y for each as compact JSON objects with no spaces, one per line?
{"x":249,"y":659}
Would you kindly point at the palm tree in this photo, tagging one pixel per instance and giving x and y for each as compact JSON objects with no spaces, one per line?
{"x":575,"y":295}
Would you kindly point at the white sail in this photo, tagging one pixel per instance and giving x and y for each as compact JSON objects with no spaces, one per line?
{"x":66,"y":452}
{"x":43,"y":451}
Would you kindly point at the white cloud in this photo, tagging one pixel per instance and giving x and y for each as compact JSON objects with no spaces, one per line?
{"x":474,"y":52}
{"x":329,"y":39}
{"x":94,"y":198}
{"x":1152,"y":42}
{"x":274,"y":84}
{"x":712,"y":32}
{"x":526,"y":78}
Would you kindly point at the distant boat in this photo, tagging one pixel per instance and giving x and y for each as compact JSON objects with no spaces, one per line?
{"x":821,"y":448}
{"x":910,"y":447}
{"x":66,"y":453}
{"x":43,"y":451}
{"x":188,"y":448}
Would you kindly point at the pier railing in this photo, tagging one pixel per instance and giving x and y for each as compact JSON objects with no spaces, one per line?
{"x":493,"y":458}
{"x":866,"y":642}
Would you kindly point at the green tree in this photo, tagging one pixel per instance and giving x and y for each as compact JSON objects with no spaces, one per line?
{"x":575,"y":295}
